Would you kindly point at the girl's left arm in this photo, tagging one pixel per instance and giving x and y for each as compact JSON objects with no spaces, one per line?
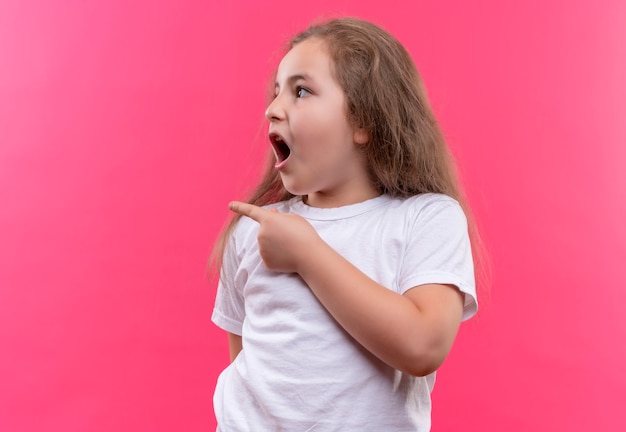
{"x":412,"y":332}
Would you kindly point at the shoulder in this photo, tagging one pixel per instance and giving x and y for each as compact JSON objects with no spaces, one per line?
{"x":431,"y":200}
{"x":433,"y":208}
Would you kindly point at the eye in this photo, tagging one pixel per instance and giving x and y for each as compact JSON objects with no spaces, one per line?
{"x":301,"y":92}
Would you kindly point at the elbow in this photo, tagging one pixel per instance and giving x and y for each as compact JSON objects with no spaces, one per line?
{"x":424,"y":362}
{"x":421,"y":369}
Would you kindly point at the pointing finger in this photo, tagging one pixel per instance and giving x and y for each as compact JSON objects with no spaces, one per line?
{"x":250,"y":210}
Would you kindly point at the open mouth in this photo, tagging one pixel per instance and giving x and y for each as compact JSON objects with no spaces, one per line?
{"x":281,"y":148}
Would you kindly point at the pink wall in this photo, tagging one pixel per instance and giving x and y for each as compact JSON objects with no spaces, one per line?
{"x":125,"y":128}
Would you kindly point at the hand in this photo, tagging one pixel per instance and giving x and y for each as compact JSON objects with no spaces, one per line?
{"x":284,"y":239}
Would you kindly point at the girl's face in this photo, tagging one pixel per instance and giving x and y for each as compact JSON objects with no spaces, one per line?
{"x":315,"y":146}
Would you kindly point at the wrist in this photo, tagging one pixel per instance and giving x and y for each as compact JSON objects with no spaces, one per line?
{"x":312,"y":256}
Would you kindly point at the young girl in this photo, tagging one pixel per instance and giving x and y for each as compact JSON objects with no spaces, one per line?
{"x":343,"y":287}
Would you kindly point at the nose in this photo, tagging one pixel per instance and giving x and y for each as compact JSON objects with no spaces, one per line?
{"x":275,"y":110}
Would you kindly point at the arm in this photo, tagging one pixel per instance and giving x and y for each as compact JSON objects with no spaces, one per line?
{"x":234,"y":345}
{"x":412,"y":332}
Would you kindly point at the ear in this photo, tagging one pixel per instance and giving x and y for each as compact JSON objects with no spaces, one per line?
{"x":360,"y":136}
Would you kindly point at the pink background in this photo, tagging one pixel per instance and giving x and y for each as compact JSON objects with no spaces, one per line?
{"x":126,"y":127}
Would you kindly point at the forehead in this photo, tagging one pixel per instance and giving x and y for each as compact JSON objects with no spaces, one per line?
{"x":309,"y":57}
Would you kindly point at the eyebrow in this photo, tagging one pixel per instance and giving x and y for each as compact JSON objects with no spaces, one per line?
{"x":294,"y":78}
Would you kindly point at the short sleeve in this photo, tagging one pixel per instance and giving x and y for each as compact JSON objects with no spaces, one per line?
{"x":439,"y":251}
{"x":229,"y":311}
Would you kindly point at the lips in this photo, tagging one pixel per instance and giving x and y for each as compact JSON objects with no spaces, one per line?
{"x":281,"y":148}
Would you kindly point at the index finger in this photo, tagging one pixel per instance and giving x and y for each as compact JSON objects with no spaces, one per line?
{"x":250,"y":210}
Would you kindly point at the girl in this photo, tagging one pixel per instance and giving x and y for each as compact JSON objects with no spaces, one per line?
{"x":343,"y":287}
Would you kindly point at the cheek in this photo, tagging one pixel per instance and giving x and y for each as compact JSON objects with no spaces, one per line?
{"x":332,"y":125}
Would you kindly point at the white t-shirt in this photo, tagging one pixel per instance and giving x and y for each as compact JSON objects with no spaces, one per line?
{"x":299,"y":370}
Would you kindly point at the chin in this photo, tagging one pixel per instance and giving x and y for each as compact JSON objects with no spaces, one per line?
{"x":294,"y":189}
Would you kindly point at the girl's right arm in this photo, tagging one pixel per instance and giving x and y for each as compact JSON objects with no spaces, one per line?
{"x":234,"y":345}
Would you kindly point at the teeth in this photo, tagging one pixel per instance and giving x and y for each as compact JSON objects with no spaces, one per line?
{"x":280,"y":146}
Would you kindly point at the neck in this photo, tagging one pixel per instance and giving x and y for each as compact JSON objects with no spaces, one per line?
{"x":334,"y":199}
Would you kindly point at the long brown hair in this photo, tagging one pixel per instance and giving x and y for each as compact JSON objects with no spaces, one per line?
{"x":406,"y":153}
